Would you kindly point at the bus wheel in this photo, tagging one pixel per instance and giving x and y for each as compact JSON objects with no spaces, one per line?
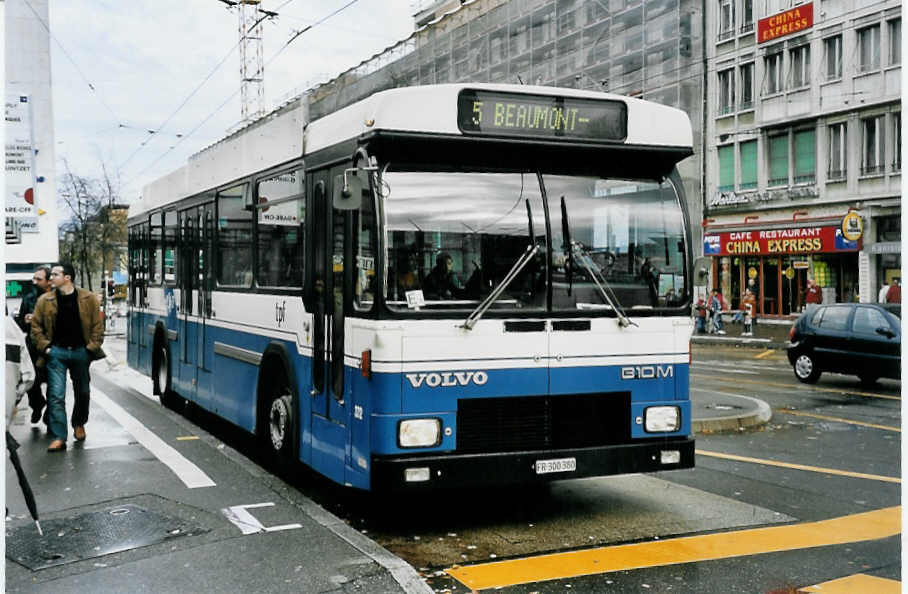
{"x":280,"y":425}
{"x":161,"y":377}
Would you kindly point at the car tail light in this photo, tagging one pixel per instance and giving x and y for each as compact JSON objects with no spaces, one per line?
{"x":791,"y":334}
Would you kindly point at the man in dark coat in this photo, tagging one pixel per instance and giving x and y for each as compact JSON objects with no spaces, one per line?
{"x":41,"y":284}
{"x":67,"y":331}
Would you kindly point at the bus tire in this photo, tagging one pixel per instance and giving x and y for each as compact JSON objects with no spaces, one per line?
{"x":161,"y":375}
{"x":278,"y":426}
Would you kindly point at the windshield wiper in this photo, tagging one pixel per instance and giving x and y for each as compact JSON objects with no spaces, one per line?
{"x":519,"y":265}
{"x":576,"y":251}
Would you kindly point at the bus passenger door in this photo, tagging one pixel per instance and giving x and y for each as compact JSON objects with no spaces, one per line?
{"x":204,"y":281}
{"x":326,"y":302}
{"x":188,"y":326}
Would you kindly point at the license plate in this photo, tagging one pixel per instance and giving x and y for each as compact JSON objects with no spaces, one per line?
{"x":557,"y":465}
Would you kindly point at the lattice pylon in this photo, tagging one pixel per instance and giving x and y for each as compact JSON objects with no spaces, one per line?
{"x":252,"y":66}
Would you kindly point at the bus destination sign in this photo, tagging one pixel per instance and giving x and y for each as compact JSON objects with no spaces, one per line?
{"x":493,"y":113}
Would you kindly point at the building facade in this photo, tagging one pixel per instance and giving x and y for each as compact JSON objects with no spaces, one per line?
{"x":31,"y":198}
{"x":803,"y":149}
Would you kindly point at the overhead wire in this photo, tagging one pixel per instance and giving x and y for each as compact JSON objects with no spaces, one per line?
{"x":236,"y":92}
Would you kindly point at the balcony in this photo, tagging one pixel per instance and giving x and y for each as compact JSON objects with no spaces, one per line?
{"x":805,"y":179}
{"x":777,"y":181}
{"x":748,"y":185}
{"x":872,"y":169}
{"x":836,"y":175}
{"x":746,"y":28}
{"x":725,"y":35}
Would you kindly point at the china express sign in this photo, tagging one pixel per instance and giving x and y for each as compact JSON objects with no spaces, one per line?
{"x":796,"y":20}
{"x":803,"y":240}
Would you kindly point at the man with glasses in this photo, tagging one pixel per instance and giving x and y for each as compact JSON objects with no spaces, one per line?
{"x":67,"y":330}
{"x":40,"y":285}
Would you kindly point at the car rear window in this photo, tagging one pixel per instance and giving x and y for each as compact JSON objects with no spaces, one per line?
{"x":867,"y":320}
{"x":835,"y":318}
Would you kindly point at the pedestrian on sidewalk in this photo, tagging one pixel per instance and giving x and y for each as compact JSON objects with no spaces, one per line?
{"x":19,"y":369}
{"x":749,"y":304}
{"x":715,"y":308}
{"x":814,"y":293}
{"x":67,"y":330}
{"x":894,"y":294}
{"x":701,"y":316}
{"x":40,"y":285}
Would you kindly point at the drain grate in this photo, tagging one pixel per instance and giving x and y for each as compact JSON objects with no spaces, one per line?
{"x":93,"y":534}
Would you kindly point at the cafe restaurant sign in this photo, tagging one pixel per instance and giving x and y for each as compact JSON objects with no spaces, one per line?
{"x":799,"y":240}
{"x":789,"y":22}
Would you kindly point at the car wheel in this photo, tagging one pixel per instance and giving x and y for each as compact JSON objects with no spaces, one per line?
{"x":806,"y":369}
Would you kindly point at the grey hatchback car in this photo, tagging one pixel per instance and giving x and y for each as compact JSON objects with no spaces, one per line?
{"x":861,"y":339}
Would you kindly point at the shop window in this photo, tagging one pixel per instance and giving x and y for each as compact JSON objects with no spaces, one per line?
{"x":838,"y":153}
{"x":234,"y":264}
{"x":869,"y":48}
{"x":832,"y":48}
{"x":747,"y":86}
{"x":772,"y":75}
{"x":895,"y":41}
{"x":726,"y":91}
{"x":799,"y":64}
{"x":778,"y":160}
{"x":805,"y":160}
{"x":748,"y":164}
{"x":873,"y":152}
{"x":726,"y":168}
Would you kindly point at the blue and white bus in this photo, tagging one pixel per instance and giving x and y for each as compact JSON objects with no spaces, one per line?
{"x":436,"y":286}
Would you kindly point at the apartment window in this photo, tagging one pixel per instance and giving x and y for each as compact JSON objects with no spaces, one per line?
{"x":748,"y":152}
{"x":747,"y":16}
{"x":897,"y":141}
{"x":773,"y":74}
{"x":799,"y":62}
{"x":726,"y":19}
{"x":805,"y":157}
{"x":726,"y":91}
{"x":832,"y":47}
{"x":838,"y":152}
{"x":895,"y":41}
{"x":869,"y":48}
{"x":726,"y":168}
{"x":873,"y":153}
{"x":778,"y":160}
{"x":747,"y":85}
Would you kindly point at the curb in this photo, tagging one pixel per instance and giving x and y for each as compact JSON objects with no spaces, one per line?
{"x":762,"y":416}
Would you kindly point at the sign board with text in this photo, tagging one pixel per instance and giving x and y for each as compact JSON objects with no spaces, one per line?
{"x":789,"y":22}
{"x":20,"y":163}
{"x":769,"y":242}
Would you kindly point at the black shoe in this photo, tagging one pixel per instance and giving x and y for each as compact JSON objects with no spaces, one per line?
{"x":46,"y":417}
{"x":36,"y":415}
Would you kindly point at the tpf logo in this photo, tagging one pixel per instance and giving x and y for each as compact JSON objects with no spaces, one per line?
{"x":448,"y":379}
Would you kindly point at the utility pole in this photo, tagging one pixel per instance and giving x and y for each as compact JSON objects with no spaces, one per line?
{"x":252,"y":65}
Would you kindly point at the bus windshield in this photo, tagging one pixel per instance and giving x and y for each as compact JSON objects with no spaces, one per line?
{"x":453,"y":237}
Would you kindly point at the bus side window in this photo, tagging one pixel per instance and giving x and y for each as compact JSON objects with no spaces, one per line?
{"x":234,"y":247}
{"x":279,"y":230}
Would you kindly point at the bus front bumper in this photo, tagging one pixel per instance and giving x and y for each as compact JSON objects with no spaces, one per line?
{"x":417,"y":472}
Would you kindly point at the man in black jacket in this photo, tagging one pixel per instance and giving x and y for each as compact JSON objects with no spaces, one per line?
{"x":40,"y":285}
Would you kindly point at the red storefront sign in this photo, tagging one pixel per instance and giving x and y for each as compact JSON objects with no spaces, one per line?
{"x":769,"y":242}
{"x":795,"y":20}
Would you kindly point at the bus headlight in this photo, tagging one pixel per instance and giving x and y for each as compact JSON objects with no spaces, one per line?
{"x":419,"y":433}
{"x":660,"y":419}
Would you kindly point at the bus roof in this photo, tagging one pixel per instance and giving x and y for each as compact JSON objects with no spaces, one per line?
{"x":285,"y":134}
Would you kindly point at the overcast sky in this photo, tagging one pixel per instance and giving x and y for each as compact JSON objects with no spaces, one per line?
{"x":145,"y":57}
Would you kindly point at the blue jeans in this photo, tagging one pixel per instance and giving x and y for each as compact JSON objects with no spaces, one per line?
{"x":76,"y":361}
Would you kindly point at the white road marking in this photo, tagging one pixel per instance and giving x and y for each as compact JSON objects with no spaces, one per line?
{"x":249,"y":524}
{"x":191,"y":475}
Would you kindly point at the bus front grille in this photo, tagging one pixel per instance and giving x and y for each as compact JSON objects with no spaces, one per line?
{"x":486,"y":425}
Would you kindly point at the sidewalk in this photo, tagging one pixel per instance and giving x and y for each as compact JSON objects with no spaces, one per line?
{"x":767,"y":333}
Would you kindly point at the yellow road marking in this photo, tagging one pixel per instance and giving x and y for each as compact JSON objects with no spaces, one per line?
{"x":765,"y":353}
{"x":739,"y":380}
{"x":872,"y":525}
{"x":856,"y":583}
{"x":187,"y":437}
{"x":873,"y":477}
{"x":798,"y":413}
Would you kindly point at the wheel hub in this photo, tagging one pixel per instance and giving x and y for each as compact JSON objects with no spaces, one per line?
{"x":804,"y":366}
{"x":279,"y":422}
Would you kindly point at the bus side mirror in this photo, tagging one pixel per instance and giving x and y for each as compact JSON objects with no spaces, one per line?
{"x":348,"y":189}
{"x":702,"y":266}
